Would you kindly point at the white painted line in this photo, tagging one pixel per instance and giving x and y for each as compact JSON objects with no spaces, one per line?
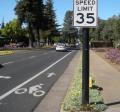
{"x":21,"y":91}
{"x":8,"y":63}
{"x":32,"y":78}
{"x":51,"y":74}
{"x":5,"y":77}
{"x":32,"y":57}
{"x":35,"y":88}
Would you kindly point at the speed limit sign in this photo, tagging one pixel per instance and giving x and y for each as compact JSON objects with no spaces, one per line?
{"x":85,"y":13}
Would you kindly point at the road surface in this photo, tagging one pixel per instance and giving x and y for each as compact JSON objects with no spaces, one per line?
{"x":26,"y":77}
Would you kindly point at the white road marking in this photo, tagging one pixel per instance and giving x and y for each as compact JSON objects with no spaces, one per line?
{"x":51,"y":74}
{"x":32,"y":78}
{"x":21,"y":91}
{"x":8,"y":63}
{"x":5,"y":77}
{"x":35,"y":88}
{"x":32,"y":57}
{"x":39,"y":93}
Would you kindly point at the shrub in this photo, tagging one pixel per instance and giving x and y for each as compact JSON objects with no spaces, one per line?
{"x":113,"y":55}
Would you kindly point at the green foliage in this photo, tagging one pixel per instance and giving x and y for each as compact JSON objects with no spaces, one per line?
{"x":107,"y":30}
{"x":2,"y":25}
{"x":31,"y":13}
{"x":39,"y":18}
{"x":29,"y":10}
{"x":68,"y":20}
{"x":0,"y":31}
{"x":56,"y":39}
{"x":13,"y":30}
{"x":50,"y":19}
{"x":70,"y":33}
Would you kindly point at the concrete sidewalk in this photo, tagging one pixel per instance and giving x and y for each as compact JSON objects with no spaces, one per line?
{"x":108,"y":78}
{"x":52,"y":101}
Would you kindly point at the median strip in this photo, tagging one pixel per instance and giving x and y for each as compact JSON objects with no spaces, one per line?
{"x":2,"y":53}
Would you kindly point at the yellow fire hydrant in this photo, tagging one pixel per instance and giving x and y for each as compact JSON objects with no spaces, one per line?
{"x":90,"y":82}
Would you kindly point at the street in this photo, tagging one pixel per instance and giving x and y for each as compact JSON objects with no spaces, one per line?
{"x":26,"y":77}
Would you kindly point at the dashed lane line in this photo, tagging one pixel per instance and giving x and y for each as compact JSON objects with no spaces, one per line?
{"x":7,"y":63}
{"x":31,"y":57}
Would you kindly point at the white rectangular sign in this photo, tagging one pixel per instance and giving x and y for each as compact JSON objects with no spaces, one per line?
{"x":85,"y":13}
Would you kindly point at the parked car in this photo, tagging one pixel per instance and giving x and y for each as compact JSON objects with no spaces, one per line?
{"x":20,"y":44}
{"x":61,"y":47}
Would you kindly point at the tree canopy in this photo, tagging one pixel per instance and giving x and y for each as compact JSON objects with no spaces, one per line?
{"x":40,"y":18}
{"x":70,"y":33}
{"x":107,"y":30}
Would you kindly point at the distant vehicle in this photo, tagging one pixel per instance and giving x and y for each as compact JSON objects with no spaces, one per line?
{"x":72,"y":45}
{"x":20,"y":44}
{"x":55,"y":44}
{"x":61,"y":47}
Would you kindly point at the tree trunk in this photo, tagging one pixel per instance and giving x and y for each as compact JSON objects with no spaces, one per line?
{"x":31,"y":36}
{"x":30,"y":43}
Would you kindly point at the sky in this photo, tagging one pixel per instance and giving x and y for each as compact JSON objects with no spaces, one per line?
{"x":106,"y":9}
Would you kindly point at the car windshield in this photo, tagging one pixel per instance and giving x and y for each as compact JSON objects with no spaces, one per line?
{"x":61,"y":44}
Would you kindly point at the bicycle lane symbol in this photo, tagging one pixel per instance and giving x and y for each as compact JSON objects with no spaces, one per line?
{"x":35,"y":90}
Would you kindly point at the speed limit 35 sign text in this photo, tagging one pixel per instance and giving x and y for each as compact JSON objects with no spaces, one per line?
{"x":85,"y":13}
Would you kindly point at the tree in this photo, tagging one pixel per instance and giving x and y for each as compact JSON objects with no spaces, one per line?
{"x":30,"y":12}
{"x":69,"y":31}
{"x":107,"y":30}
{"x":95,"y":33}
{"x":38,"y":24}
{"x":13,"y":30}
{"x":3,"y":24}
{"x":50,"y":20}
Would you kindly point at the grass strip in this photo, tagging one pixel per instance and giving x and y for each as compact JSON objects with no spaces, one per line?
{"x":6,"y":52}
{"x":73,"y":99}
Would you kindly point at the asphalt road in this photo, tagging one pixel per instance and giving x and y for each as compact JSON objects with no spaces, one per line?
{"x":26,"y":77}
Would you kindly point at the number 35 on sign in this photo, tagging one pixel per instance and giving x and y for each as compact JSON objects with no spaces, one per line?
{"x":85,"y":13}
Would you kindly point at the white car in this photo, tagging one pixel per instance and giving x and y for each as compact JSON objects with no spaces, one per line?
{"x":61,"y":47}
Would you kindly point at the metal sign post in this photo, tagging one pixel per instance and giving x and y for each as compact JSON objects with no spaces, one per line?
{"x":85,"y":15}
{"x":85,"y":67}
